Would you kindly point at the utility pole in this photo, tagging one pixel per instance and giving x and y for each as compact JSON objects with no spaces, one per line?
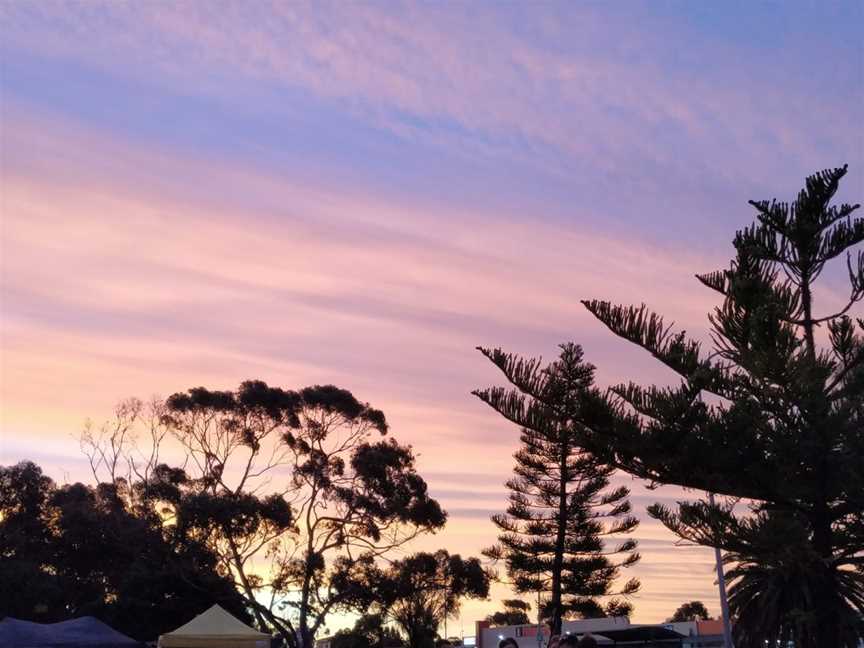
{"x":721,"y":584}
{"x":539,"y":620}
{"x":446,"y":611}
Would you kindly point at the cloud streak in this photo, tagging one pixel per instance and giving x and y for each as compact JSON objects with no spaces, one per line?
{"x":361,"y":194}
{"x":112,"y":291}
{"x":554,"y":95}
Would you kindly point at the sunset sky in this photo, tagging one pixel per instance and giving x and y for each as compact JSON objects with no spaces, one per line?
{"x":198,"y":193}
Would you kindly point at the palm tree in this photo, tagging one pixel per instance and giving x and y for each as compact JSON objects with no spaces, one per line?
{"x":775,"y":581}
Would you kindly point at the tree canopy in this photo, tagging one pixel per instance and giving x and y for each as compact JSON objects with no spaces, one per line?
{"x":691,"y":611}
{"x":515,"y":612}
{"x":773,"y":414}
{"x":75,"y":550}
{"x":369,"y":631}
{"x":294,"y":492}
{"x":421,"y":591}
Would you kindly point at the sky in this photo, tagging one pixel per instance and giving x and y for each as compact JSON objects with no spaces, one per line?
{"x":199,"y":193}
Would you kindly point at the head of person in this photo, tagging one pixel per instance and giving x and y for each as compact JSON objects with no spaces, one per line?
{"x":587,"y":641}
{"x":508,"y":642}
{"x":553,"y":641}
{"x":568,"y":641}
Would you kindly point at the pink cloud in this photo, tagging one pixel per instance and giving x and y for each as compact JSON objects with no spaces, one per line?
{"x":132,"y":269}
{"x":115,"y":285}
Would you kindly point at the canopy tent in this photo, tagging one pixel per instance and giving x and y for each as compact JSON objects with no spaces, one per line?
{"x":83,"y":632}
{"x":215,"y":628}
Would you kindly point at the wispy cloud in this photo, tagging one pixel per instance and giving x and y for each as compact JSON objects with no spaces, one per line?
{"x":113,"y":290}
{"x":200,"y":193}
{"x":589,"y":93}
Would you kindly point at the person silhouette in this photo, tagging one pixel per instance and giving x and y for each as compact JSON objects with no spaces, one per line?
{"x":568,"y":641}
{"x":587,"y":641}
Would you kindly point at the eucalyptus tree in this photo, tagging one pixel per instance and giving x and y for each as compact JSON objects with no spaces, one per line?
{"x":298,"y":493}
{"x":690,"y":611}
{"x":421,"y":591}
{"x":72,"y":550}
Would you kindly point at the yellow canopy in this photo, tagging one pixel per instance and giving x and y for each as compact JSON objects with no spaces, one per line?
{"x":215,"y":628}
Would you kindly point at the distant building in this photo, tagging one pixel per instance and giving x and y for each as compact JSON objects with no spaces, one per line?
{"x":608,"y":631}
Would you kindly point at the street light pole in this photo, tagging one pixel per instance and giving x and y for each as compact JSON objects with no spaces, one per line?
{"x":721,"y":584}
{"x":539,"y":627}
{"x":445,"y":612}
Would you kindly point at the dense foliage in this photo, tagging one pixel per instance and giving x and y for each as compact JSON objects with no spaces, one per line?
{"x":288,"y":489}
{"x":78,"y":550}
{"x":515,"y":612}
{"x":691,"y":611}
{"x":419,"y":592}
{"x":773,"y":415}
{"x":428,"y":588}
{"x":411,"y":597}
{"x":369,"y":631}
{"x":561,"y":507}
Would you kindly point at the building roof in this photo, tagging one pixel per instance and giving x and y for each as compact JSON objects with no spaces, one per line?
{"x":710,"y":627}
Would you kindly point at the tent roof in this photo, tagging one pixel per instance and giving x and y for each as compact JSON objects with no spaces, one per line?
{"x":216,"y":622}
{"x":83,"y":632}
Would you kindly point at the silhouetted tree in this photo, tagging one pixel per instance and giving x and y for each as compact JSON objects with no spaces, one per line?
{"x":372,"y":629}
{"x":775,"y":576}
{"x":774,"y":414}
{"x":552,"y":535}
{"x":291,"y":479}
{"x":349,"y":639}
{"x":76,"y":550}
{"x":369,"y":631}
{"x":515,"y":612}
{"x":420,"y":591}
{"x":31,"y":588}
{"x":692,"y":611}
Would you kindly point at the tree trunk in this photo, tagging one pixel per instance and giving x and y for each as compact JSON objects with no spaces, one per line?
{"x":247,"y":588}
{"x":558,"y":563}
{"x":826,"y":605}
{"x":307,"y":639}
{"x":257,"y":609}
{"x":827,"y":628}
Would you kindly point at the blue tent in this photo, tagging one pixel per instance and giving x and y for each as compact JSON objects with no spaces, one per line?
{"x":84,"y":632}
